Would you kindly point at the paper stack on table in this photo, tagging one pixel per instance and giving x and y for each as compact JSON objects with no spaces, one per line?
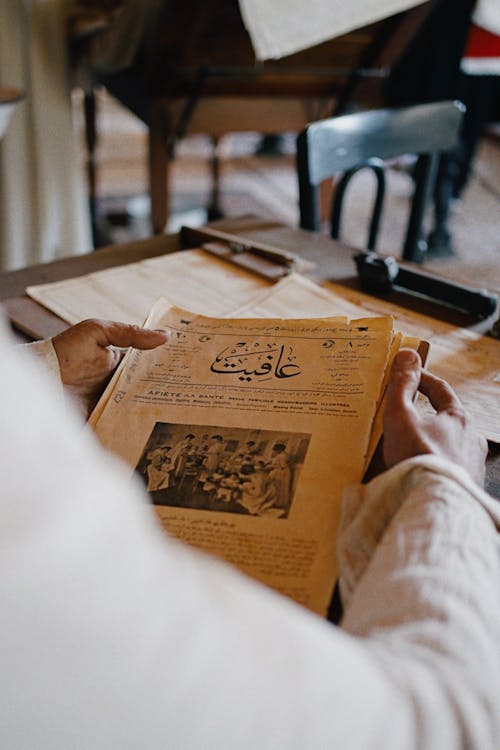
{"x":204,"y":284}
{"x":246,"y":431}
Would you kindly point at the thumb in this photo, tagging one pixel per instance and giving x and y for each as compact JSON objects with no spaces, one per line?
{"x":403,"y":383}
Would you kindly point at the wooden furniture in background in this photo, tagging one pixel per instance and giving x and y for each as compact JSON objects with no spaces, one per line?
{"x":200,"y":76}
{"x":203,"y":78}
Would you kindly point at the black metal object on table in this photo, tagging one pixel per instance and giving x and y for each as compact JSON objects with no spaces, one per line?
{"x":263,"y":259}
{"x":380,"y":275}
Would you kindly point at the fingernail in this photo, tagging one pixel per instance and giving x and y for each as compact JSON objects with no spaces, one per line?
{"x":166,"y":333}
{"x":407,"y":358}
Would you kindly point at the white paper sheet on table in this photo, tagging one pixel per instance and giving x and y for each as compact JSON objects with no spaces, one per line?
{"x":190,"y":279}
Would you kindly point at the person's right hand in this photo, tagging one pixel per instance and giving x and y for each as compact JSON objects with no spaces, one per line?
{"x":447,"y":433}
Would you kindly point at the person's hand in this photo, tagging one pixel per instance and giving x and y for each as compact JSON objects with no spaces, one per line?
{"x":87,"y":356}
{"x":447,"y":433}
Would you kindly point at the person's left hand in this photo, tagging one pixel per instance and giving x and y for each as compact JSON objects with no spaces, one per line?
{"x":87,"y":358}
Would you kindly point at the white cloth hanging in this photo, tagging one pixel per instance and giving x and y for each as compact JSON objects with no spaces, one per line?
{"x":282,"y":27}
{"x":43,"y":211}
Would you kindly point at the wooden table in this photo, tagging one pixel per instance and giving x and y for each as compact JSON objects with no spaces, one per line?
{"x":333,"y":261}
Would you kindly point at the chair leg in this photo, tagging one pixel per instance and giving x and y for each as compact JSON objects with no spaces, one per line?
{"x":214,"y":210}
{"x":159,"y":159}
{"x":439,"y":239}
{"x":326,"y":192}
{"x":89,"y":113}
{"x":415,"y":246}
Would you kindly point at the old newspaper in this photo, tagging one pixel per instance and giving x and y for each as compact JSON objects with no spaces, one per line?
{"x":246,"y":431}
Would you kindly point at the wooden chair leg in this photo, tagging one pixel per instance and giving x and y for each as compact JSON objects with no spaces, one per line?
{"x":439,"y":239}
{"x":415,"y":246}
{"x":214,"y":210}
{"x":159,"y":159}
{"x":326,"y":191}
{"x":90,"y":114}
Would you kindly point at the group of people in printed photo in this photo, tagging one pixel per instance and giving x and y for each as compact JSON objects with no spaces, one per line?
{"x":216,"y":471}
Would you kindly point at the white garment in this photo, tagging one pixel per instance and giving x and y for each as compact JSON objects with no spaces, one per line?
{"x":47,"y":358}
{"x":43,"y":204}
{"x":114,"y":636}
{"x":281,"y":27}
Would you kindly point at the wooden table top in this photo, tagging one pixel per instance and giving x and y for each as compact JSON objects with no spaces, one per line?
{"x":333,"y":261}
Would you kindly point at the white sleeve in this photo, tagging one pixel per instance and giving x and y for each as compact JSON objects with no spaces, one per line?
{"x":46,"y":355}
{"x":420,"y":569}
{"x":113,"y":635}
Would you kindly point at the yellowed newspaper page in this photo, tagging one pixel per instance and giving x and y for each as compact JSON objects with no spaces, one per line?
{"x":399,"y":341}
{"x":296,"y":295}
{"x":246,"y":431}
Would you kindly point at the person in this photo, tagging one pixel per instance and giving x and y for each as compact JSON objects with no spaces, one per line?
{"x":212,"y":457}
{"x":258,"y":492}
{"x":159,"y":468}
{"x":113,"y":635}
{"x":179,"y":453}
{"x":280,"y":475}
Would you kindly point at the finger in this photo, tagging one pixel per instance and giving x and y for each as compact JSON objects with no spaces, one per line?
{"x":145,"y":338}
{"x":440,"y":393}
{"x":110,"y":333}
{"x":403,"y":383}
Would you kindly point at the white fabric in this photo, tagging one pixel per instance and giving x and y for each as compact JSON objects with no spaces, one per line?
{"x":114,"y":636}
{"x":486,"y":14}
{"x":43,"y":209}
{"x":46,"y":354}
{"x":281,"y":27}
{"x":483,"y":66}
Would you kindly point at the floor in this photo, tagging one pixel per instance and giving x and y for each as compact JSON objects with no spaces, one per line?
{"x":267,"y":186}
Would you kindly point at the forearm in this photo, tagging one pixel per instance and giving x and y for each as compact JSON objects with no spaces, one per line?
{"x":419,"y":561}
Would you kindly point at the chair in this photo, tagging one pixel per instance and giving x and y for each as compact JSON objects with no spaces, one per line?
{"x":346,"y":144}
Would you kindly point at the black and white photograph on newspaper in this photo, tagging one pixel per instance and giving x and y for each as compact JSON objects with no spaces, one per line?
{"x":225,"y":469}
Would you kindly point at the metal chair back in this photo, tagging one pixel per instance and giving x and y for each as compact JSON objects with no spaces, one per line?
{"x":344,"y":145}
